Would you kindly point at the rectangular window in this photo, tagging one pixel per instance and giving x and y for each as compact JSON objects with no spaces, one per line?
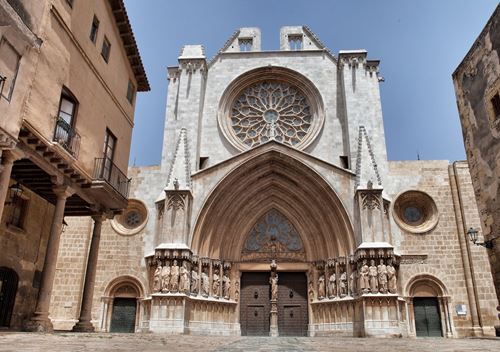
{"x":130,"y":92}
{"x":9,"y":66}
{"x":295,"y":42}
{"x":495,"y":103}
{"x":109,"y":154}
{"x":106,"y":48}
{"x":245,"y":44}
{"x":18,"y":213}
{"x":94,"y":29}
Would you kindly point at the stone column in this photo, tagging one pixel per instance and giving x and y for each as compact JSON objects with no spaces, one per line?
{"x":84,"y":321}
{"x":8,"y":160}
{"x":274,"y":302}
{"x":40,"y":321}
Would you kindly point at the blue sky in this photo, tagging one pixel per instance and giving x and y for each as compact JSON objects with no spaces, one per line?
{"x":419,"y":43}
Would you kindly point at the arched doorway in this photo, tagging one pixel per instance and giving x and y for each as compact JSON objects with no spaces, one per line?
{"x":122,"y":305}
{"x":428,"y":307}
{"x":8,"y":290}
{"x":306,"y":223}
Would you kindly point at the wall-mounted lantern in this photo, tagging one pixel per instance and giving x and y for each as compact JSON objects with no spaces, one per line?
{"x":472,"y":233}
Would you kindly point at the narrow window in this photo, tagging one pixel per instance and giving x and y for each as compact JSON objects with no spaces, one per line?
{"x":495,"y":102}
{"x":94,"y":29}
{"x":245,"y":44}
{"x":344,"y":161}
{"x":67,"y":107}
{"x":203,"y":162}
{"x":130,"y":92}
{"x":9,"y":66}
{"x":106,"y":48}
{"x":65,"y":133}
{"x":295,"y":42}
{"x":109,"y":154}
{"x":18,"y":213}
{"x":70,"y":3}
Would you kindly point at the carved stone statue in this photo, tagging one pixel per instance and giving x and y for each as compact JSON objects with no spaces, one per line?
{"x":343,"y":284}
{"x":157,"y":279}
{"x":174,"y":277}
{"x":364,"y":281}
{"x":237,"y":291}
{"x":373,"y":274}
{"x":321,"y":287}
{"x":311,"y":291}
{"x":184,"y":278}
{"x":382,"y":277}
{"x":215,"y":283}
{"x":205,"y":284}
{"x":273,"y":280}
{"x":391,"y":278}
{"x":352,"y":283}
{"x":165,"y":277}
{"x":226,"y":285}
{"x":332,"y":286}
{"x":194,"y":281}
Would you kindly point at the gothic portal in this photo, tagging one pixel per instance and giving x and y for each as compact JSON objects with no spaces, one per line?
{"x":275,"y":211}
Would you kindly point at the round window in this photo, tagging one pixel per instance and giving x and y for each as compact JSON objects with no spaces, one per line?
{"x":132,"y":220}
{"x":415,"y":211}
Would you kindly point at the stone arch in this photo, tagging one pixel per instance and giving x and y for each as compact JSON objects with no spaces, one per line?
{"x":273,"y":179}
{"x":123,"y":287}
{"x":425,"y":285}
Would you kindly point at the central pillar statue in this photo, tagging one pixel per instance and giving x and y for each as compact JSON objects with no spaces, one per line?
{"x":273,"y":281}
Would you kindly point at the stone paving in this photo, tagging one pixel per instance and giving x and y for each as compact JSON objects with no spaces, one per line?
{"x":74,"y":342}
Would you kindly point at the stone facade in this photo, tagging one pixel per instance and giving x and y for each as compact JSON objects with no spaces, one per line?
{"x":477,"y":87}
{"x":69,"y":73}
{"x":308,"y":192}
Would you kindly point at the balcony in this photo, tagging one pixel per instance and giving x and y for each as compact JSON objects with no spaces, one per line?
{"x":67,"y":137}
{"x":106,"y":170}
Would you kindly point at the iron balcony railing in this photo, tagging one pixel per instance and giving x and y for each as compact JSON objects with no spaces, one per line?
{"x":106,"y":170}
{"x":67,"y":137}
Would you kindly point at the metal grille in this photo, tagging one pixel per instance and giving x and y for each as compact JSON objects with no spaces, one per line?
{"x":8,"y":289}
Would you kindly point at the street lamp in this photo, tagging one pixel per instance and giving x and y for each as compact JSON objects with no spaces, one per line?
{"x":472,"y":233}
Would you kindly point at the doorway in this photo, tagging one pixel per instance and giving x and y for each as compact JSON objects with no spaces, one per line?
{"x":255,"y":305}
{"x":292,"y":304}
{"x":8,"y":290}
{"x":427,"y":317}
{"x":123,"y":315}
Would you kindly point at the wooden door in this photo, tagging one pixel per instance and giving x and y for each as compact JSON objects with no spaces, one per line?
{"x":123,"y":316}
{"x":8,"y":290}
{"x":292,"y":304}
{"x":254,"y":305}
{"x":427,"y":317}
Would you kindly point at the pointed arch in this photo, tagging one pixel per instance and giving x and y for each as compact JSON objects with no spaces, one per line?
{"x":273,"y":180}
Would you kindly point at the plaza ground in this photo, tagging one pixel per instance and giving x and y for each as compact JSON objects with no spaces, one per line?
{"x":75,"y":342}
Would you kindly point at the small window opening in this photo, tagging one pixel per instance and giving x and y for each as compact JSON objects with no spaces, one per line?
{"x":18,"y":213}
{"x":203,"y":162}
{"x":106,"y":48}
{"x":295,"y":42}
{"x":495,"y":102}
{"x":94,"y":29}
{"x":344,"y":161}
{"x":245,"y":44}
{"x":130,"y":92}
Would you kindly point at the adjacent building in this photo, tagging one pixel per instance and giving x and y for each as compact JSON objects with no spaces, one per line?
{"x":70,"y":71}
{"x":477,"y":87}
{"x":275,"y":211}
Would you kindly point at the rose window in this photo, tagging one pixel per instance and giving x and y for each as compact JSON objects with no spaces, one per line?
{"x":271,"y":110}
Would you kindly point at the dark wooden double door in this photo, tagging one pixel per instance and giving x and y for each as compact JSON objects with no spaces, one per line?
{"x":427,"y":317}
{"x":255,"y":306}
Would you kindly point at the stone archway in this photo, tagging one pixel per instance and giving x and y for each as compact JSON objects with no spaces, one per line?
{"x":273,"y":180}
{"x":428,"y":307}
{"x":123,"y":310}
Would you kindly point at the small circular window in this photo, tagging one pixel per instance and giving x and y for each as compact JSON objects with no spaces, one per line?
{"x":415,"y":211}
{"x":132,"y":220}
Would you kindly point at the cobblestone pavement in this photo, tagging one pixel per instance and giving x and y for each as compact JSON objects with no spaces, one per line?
{"x":73,"y":342}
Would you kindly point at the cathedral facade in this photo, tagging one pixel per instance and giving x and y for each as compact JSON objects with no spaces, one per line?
{"x":275,"y":211}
